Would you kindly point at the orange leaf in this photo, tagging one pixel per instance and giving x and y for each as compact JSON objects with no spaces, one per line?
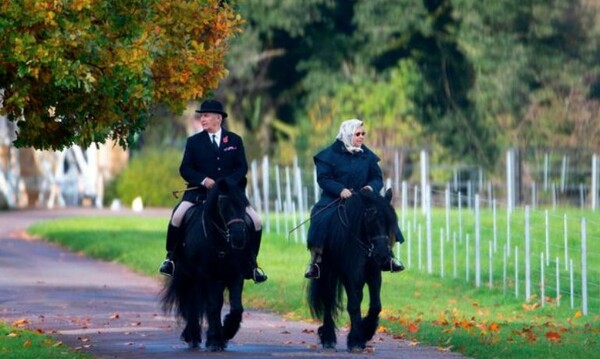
{"x":532,"y":306}
{"x":440,"y":322}
{"x":494,"y":327}
{"x":464,"y":324}
{"x":27,"y":343}
{"x":382,"y":329}
{"x":577,"y":314}
{"x":20,"y":322}
{"x":413,"y":327}
{"x":553,"y":337}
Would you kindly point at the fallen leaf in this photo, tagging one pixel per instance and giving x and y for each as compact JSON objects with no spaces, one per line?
{"x":413,"y":327}
{"x":553,"y":337}
{"x":382,"y":329}
{"x":20,"y":322}
{"x":27,"y":343}
{"x":115,"y":316}
{"x":494,"y":327}
{"x":532,"y":306}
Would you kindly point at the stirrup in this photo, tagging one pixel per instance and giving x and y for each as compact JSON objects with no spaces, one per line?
{"x":165,"y":273}
{"x":308,"y":273}
{"x":399,"y":264}
{"x":258,"y":275}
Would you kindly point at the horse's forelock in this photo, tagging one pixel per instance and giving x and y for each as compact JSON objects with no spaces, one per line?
{"x":235,"y":195}
{"x":384,"y":208}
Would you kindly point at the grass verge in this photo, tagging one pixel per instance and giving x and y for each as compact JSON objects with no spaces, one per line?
{"x":16,"y":343}
{"x":447,"y":313}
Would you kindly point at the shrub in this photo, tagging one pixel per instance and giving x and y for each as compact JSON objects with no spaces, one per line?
{"x":153,"y":175}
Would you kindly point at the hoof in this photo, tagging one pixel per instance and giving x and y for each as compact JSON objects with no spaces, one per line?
{"x":356,"y":349}
{"x":329,"y":345}
{"x":193,"y":344}
{"x":215,"y":348}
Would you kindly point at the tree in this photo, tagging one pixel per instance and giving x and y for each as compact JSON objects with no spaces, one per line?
{"x":82,"y":71}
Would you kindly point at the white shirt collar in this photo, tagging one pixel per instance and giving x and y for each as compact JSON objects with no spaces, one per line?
{"x":217,"y":136}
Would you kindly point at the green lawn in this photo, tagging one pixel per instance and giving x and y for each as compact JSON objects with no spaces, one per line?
{"x":446,"y":312}
{"x":16,"y":343}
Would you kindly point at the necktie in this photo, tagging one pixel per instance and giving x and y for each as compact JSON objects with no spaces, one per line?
{"x":214,"y":141}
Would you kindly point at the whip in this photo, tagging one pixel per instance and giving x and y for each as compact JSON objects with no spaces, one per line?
{"x":313,"y":215}
{"x":175,"y":193}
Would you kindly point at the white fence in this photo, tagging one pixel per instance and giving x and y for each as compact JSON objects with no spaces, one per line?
{"x":520,"y":252}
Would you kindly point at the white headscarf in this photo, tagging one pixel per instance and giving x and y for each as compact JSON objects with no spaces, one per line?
{"x":347,"y":129}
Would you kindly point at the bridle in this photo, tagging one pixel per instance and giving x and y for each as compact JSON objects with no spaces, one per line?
{"x":223,"y":230}
{"x":366,"y":247}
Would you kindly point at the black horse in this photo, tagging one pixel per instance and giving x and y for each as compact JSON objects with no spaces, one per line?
{"x":210,"y":260}
{"x":355,"y":247}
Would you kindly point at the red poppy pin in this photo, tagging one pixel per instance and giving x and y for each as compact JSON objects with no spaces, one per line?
{"x":225,"y":139}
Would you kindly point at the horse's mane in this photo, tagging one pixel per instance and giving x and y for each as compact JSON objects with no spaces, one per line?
{"x":224,"y":187}
{"x":383,"y":207}
{"x":347,"y":228}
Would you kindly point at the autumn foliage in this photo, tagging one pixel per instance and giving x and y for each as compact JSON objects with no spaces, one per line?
{"x":82,"y":71}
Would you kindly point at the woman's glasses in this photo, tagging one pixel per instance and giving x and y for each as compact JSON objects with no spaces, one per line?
{"x":360,"y":134}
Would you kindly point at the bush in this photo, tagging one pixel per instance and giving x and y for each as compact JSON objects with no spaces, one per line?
{"x":153,"y":175}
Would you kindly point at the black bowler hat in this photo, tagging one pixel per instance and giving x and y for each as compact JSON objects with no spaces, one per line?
{"x":212,"y":106}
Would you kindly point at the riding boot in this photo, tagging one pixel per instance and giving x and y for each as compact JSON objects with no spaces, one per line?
{"x":314,"y":271}
{"x":255,"y":272}
{"x":167,"y":267}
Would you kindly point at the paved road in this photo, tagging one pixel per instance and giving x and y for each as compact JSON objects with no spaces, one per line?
{"x":111,"y":312}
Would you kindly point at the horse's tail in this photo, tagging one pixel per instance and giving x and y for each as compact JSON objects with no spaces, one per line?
{"x":168,"y":297}
{"x":182,"y":296}
{"x":325,"y":295}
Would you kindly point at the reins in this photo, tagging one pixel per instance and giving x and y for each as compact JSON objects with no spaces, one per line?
{"x":313,"y":216}
{"x":224,"y":232}
{"x":368,"y":248}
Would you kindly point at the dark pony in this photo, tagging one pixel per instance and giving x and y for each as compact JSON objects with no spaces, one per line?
{"x":356,"y":245}
{"x":210,"y":260}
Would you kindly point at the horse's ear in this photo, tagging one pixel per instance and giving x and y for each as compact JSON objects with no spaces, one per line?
{"x":388,"y":195}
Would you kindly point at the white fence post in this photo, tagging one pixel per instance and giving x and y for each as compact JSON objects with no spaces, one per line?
{"x":584,"y":269}
{"x":477,"y":244}
{"x":527,"y":256}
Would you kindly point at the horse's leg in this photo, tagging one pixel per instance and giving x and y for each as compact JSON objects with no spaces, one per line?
{"x":355,"y":340}
{"x":326,"y":287}
{"x":232,"y":321}
{"x":190,"y":311}
{"x":326,"y":331}
{"x":214,"y":334}
{"x":371,"y":321}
